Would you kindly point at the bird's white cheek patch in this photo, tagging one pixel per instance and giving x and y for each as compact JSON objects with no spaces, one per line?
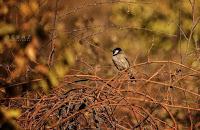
{"x":116,"y":52}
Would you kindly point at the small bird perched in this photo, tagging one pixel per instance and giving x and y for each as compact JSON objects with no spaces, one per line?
{"x":121,"y":62}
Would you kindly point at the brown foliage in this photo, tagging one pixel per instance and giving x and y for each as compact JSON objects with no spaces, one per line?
{"x":56,"y":69}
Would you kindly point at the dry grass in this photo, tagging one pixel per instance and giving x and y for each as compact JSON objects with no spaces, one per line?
{"x":159,"y":100}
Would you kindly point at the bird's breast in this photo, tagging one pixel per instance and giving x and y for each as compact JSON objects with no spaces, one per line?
{"x":120,"y":62}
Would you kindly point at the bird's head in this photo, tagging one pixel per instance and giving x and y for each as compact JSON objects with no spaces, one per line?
{"x":116,"y":51}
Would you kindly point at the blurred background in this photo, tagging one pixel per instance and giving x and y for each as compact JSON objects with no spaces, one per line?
{"x":42,"y":41}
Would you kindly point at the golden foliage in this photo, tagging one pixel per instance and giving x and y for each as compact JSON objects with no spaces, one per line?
{"x":43,"y":42}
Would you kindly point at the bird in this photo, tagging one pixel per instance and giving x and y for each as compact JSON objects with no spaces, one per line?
{"x":121,"y":62}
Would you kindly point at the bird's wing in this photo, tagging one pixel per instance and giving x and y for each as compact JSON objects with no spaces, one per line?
{"x":127,"y":61}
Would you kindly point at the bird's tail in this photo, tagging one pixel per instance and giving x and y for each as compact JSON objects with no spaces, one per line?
{"x":131,"y":75}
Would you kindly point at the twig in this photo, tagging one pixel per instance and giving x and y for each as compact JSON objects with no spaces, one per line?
{"x":51,"y":55}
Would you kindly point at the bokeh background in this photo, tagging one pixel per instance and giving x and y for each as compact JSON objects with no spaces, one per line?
{"x":43,"y":42}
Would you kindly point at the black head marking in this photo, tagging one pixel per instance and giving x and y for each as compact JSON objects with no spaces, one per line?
{"x":116,"y":51}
